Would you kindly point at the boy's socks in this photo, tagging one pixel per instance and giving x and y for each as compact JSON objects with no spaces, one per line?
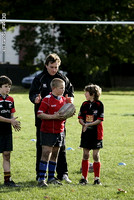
{"x":51,"y":169}
{"x":96,"y":167}
{"x":7,"y":176}
{"x":42,"y":170}
{"x":85,"y":167}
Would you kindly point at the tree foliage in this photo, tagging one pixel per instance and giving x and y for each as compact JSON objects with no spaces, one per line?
{"x":89,"y":50}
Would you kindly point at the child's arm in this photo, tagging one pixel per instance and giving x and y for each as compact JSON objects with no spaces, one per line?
{"x":8,"y":120}
{"x":81,"y":122}
{"x":96,"y":122}
{"x":49,"y":116}
{"x":12,"y":121}
{"x":16,"y":124}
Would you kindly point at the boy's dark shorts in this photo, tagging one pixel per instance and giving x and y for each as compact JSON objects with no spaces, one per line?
{"x":6,"y":143}
{"x":88,"y":141}
{"x":51,"y":139}
{"x":98,"y":144}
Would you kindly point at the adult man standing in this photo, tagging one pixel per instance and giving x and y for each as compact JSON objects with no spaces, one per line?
{"x":39,"y":89}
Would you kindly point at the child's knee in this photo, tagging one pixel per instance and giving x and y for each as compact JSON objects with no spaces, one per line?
{"x":96,"y":156}
{"x":6,"y":156}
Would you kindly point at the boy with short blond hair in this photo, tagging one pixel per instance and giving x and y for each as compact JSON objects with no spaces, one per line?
{"x":51,"y":132}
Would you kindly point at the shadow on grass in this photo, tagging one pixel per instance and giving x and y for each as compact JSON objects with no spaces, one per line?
{"x":22,"y":186}
{"x":127,"y":114}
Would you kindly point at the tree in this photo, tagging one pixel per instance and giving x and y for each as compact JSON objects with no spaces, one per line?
{"x":92,"y":49}
{"x":86,"y":50}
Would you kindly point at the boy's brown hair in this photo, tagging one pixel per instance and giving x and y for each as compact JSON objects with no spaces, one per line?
{"x":52,"y":58}
{"x":93,"y":89}
{"x":5,"y":80}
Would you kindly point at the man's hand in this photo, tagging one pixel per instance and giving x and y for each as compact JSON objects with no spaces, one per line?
{"x":38,"y":99}
{"x":69,"y":99}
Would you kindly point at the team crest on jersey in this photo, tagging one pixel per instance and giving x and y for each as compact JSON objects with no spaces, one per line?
{"x":89,"y":118}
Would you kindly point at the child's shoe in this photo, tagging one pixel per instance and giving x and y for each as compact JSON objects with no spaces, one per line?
{"x":97,"y":182}
{"x":83,"y":181}
{"x":11,"y":184}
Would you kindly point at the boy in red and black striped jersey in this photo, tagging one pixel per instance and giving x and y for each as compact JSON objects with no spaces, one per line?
{"x":7,"y":120}
{"x":51,"y":132}
{"x":90,"y":117}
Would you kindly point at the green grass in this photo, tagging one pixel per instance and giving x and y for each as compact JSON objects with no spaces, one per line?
{"x":118,"y":147}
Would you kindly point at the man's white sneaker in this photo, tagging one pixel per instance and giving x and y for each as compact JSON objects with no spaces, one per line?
{"x":42,"y":183}
{"x":65,"y":177}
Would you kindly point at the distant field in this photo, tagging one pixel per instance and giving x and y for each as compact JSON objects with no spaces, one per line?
{"x":118,"y":147}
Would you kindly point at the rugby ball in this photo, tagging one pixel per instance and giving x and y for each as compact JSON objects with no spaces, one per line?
{"x":90,"y":169}
{"x":67,"y":110}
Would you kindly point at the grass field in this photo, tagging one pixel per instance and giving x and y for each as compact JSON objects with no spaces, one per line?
{"x":118,"y":147}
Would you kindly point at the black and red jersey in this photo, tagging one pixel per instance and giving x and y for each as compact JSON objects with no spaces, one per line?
{"x":90,"y":112}
{"x":6,"y":108}
{"x":51,"y":105}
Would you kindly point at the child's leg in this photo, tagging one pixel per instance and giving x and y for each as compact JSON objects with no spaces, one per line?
{"x":46,"y":153}
{"x":52,"y":163}
{"x":96,"y":164}
{"x":6,"y":166}
{"x":85,"y":163}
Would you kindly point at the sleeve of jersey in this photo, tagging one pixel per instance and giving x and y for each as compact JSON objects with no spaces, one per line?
{"x":34,"y":90}
{"x":69,"y":88}
{"x":80,"y":116}
{"x":43,"y":107}
{"x":101,"y":112}
{"x":13,"y":108}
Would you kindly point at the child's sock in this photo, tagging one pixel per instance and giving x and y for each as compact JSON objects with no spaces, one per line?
{"x":85,"y":167}
{"x":96,"y":167}
{"x":7,"y":176}
{"x":42,"y":170}
{"x":51,"y":169}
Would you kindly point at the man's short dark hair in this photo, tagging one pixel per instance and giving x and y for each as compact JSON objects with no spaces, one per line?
{"x":52,"y":58}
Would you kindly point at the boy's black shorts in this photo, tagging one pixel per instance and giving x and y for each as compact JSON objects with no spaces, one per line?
{"x":88,"y":141}
{"x":6,"y":143}
{"x":51,"y":139}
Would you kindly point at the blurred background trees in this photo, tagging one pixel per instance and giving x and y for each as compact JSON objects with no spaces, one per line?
{"x":89,"y":53}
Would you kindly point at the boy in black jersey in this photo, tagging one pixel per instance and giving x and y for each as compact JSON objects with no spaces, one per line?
{"x":7,"y":119}
{"x":90,"y":117}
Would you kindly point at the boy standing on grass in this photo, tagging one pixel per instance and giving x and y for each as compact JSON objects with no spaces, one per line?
{"x":90,"y":117}
{"x":7,"y":120}
{"x":52,"y":131}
